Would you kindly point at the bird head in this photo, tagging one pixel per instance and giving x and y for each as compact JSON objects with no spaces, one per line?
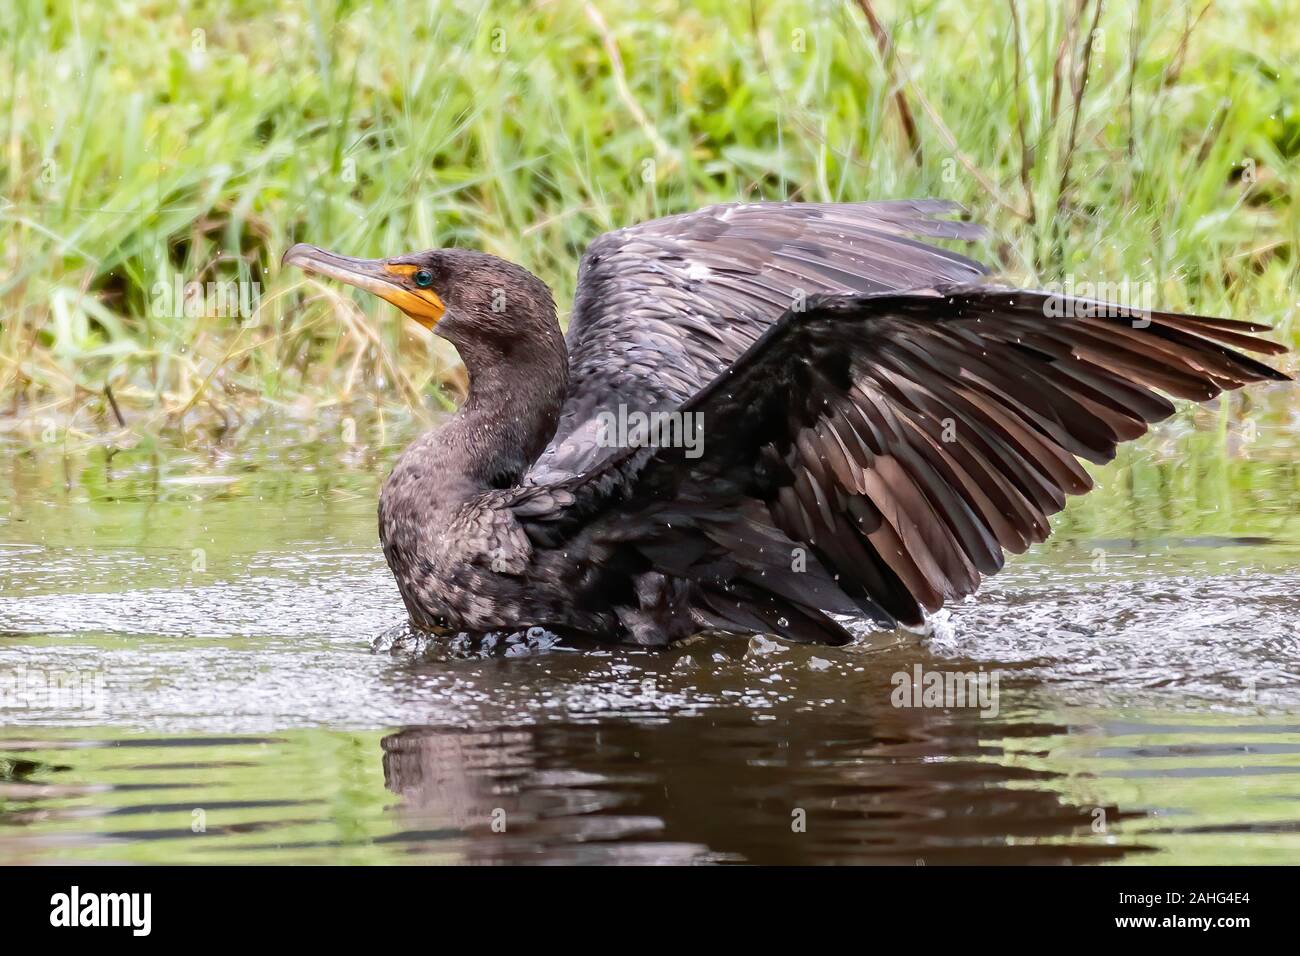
{"x":459,"y":294}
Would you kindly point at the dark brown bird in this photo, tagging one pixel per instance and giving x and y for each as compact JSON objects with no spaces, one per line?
{"x":763,"y":415}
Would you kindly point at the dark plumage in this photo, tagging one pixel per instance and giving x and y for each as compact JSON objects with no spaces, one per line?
{"x":879,"y":427}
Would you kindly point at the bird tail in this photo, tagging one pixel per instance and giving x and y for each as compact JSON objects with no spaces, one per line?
{"x":743,"y":609}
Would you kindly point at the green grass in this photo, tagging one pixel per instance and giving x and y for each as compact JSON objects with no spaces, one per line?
{"x":140,"y":143}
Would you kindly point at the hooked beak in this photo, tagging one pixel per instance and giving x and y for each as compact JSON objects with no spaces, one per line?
{"x":382,"y":277}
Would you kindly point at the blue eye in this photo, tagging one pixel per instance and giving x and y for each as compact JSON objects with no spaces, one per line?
{"x":423,"y":278}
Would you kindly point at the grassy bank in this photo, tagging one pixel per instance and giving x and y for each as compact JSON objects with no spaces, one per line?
{"x":1152,"y":143}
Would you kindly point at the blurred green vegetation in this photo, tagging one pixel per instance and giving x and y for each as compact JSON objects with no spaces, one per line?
{"x":145,"y":140}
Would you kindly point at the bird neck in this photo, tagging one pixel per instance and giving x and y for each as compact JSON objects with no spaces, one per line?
{"x":516,"y":389}
{"x":512,"y":409}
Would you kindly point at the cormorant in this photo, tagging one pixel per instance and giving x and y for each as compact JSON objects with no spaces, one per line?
{"x":858,"y":423}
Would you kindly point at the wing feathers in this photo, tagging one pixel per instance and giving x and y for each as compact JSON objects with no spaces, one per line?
{"x":905,"y":441}
{"x":866,"y":449}
{"x":691,"y":293}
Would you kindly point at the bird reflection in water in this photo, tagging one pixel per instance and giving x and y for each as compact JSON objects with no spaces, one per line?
{"x":858,"y":782}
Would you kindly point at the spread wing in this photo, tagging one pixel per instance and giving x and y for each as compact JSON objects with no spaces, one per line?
{"x":663,"y":307}
{"x":905,"y":441}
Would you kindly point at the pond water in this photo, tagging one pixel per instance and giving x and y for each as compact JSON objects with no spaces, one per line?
{"x":202,"y":661}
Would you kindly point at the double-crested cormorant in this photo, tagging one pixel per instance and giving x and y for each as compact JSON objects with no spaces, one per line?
{"x":876,"y":426}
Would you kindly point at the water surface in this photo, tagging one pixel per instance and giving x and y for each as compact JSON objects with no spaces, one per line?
{"x":234,"y":685}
